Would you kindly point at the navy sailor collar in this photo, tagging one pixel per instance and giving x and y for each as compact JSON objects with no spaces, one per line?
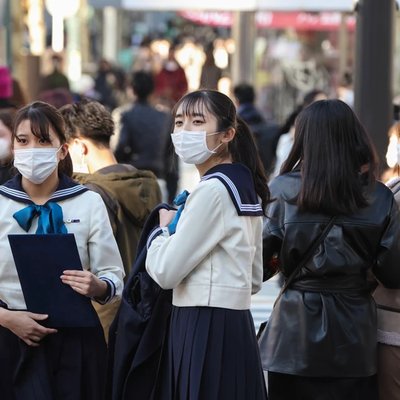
{"x":66,"y":188}
{"x":239,"y":182}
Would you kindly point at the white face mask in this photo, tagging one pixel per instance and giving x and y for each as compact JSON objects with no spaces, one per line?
{"x":5,"y":149}
{"x":191,"y":146}
{"x":36,"y":165}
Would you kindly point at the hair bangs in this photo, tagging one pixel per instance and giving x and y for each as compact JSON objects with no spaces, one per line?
{"x":40,"y":126}
{"x":193,"y":104}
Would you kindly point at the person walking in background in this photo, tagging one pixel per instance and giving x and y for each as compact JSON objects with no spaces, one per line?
{"x":210,"y":73}
{"x":104,"y":83}
{"x":6,"y":90}
{"x":286,"y":134}
{"x":265,"y":132}
{"x":39,"y":362}
{"x":129,"y":193}
{"x":56,"y":79}
{"x":321,"y":335}
{"x":54,"y":87}
{"x":170,"y":82}
{"x":144,"y":139}
{"x":212,"y":257}
{"x":7,"y":170}
{"x":388,"y":303}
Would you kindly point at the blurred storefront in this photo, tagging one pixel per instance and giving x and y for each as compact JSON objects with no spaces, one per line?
{"x":284,"y":53}
{"x":284,"y":48}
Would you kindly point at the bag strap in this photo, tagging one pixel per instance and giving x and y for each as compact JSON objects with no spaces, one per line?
{"x":306,"y":257}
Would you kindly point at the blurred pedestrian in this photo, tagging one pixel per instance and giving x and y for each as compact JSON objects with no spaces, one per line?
{"x":56,"y":79}
{"x":144,"y":139}
{"x":7,"y":170}
{"x":388,"y":304}
{"x":104,"y":83}
{"x":210,"y":73}
{"x":345,"y":91}
{"x":6,"y":90}
{"x":338,"y":223}
{"x":170,"y":83}
{"x":211,"y":257}
{"x":128,"y":193}
{"x":265,"y":132}
{"x":286,"y":134}
{"x":37,"y":361}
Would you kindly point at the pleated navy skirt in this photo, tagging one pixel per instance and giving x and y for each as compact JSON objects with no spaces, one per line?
{"x":211,"y":354}
{"x":70,"y":364}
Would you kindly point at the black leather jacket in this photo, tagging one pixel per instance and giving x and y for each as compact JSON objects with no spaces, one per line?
{"x":325,"y":323}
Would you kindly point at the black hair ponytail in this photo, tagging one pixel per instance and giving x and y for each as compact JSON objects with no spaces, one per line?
{"x":243,"y":149}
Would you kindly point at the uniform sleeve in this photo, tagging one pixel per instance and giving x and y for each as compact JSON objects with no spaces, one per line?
{"x":387,"y":267}
{"x":105,"y":259}
{"x":201,"y":227}
{"x":257,"y":269}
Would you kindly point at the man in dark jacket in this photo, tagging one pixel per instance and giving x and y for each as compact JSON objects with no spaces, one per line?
{"x":129,"y":194}
{"x":144,"y":139}
{"x":265,"y":132}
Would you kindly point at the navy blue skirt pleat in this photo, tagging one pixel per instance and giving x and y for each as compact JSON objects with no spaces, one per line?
{"x":211,"y":354}
{"x":68,"y":365}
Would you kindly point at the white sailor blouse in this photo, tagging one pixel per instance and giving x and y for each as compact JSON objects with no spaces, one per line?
{"x":71,"y":209}
{"x":214,"y":258}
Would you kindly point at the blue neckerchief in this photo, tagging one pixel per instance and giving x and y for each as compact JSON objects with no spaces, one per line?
{"x":50,"y":218}
{"x":50,"y":214}
{"x":239,"y":182}
{"x":179,"y":200}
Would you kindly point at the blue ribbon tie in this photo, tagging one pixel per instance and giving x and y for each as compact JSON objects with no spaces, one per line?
{"x":179,"y":200}
{"x":50,"y":218}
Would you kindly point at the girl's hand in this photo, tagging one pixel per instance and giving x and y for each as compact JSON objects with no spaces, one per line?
{"x":166,"y":216}
{"x":85,"y":283}
{"x":24,"y":325}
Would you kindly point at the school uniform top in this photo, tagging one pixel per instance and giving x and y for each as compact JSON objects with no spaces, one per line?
{"x":215,"y":257}
{"x":83,"y":213}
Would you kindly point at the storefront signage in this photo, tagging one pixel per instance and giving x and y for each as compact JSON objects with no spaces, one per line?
{"x":275,"y":20}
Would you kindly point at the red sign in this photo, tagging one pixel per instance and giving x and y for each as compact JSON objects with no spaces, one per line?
{"x":325,"y":21}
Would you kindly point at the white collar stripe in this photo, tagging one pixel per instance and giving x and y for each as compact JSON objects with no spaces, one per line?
{"x":14,"y":192}
{"x":242,"y":207}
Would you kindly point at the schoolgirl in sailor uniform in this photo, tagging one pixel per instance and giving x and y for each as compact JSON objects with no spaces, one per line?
{"x":212,"y":257}
{"x":36,"y":362}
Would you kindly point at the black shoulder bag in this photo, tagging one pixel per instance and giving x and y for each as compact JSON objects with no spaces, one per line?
{"x":309,"y":253}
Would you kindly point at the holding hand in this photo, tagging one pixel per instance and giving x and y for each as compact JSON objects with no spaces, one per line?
{"x":166,"y":216}
{"x":24,"y":325}
{"x":85,"y":283}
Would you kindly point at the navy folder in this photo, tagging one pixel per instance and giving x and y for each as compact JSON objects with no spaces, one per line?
{"x":40,"y":261}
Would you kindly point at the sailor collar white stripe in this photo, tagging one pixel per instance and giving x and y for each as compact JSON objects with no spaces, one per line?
{"x":242,"y":207}
{"x":68,"y":191}
{"x":57,"y":195}
{"x":14,"y":192}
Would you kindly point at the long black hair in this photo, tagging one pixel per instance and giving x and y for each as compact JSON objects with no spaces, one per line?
{"x":242,"y":147}
{"x":336,"y":158}
{"x":42,"y":116}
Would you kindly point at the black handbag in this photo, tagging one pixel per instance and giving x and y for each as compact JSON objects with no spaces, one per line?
{"x":291,"y":277}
